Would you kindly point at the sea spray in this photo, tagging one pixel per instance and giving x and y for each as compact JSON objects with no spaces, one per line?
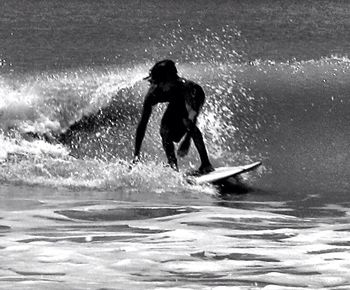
{"x":97,"y":110}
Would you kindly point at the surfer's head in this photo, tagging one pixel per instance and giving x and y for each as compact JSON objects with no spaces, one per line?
{"x":163,"y":71}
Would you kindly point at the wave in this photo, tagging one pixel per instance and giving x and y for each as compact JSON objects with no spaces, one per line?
{"x":309,"y":142}
{"x":293,"y":115}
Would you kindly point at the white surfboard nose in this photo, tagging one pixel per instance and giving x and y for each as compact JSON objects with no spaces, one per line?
{"x":222,"y":173}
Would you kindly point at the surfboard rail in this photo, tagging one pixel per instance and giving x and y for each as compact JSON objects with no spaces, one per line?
{"x":222,"y":173}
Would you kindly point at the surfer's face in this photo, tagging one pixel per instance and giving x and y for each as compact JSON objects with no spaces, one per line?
{"x":166,"y":86}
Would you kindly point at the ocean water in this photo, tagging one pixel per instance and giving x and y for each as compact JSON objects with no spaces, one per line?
{"x":75,"y":215}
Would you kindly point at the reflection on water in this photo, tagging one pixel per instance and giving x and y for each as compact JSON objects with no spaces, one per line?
{"x":65,"y":241}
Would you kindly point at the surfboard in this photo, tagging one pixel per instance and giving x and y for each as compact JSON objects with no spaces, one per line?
{"x":222,"y":173}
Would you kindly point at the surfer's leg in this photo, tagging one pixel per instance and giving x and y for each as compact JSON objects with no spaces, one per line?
{"x":184,"y":146}
{"x":169,"y":147}
{"x":199,"y":143}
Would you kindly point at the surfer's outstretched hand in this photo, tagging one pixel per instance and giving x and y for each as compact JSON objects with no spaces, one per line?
{"x":134,"y":161}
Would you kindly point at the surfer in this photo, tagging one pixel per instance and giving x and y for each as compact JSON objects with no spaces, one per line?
{"x":185,"y":100}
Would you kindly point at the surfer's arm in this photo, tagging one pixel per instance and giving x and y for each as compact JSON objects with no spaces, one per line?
{"x":141,"y":128}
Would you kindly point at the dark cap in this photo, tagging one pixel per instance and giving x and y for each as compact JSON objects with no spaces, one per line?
{"x":164,"y":70}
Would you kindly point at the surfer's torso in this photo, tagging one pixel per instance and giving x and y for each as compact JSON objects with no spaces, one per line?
{"x":181,"y":95}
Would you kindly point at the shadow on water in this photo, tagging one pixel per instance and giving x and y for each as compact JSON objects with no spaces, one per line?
{"x":232,"y":188}
{"x":237,"y":188}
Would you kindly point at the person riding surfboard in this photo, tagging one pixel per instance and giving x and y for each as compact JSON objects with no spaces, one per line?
{"x":185,"y":99}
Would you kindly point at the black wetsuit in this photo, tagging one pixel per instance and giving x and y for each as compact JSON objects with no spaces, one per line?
{"x":185,"y":99}
{"x":182,"y":97}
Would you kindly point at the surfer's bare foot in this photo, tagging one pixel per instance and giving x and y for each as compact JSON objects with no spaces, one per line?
{"x":204,"y":169}
{"x":172,"y":166}
{"x":201,"y":170}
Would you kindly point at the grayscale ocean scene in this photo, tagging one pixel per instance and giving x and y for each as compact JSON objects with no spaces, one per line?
{"x":76,"y":215}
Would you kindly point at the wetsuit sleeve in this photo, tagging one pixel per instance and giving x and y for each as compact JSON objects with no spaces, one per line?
{"x":194,"y":99}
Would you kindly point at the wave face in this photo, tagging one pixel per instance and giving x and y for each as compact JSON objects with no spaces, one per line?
{"x":308,"y":144}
